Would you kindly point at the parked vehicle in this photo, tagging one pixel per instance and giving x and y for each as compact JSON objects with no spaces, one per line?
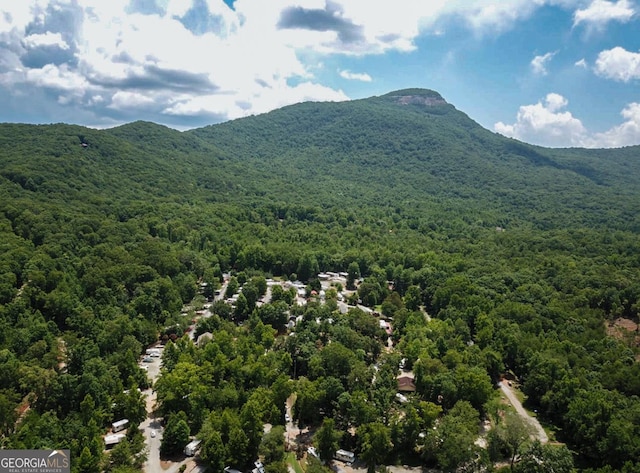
{"x":192,"y":447}
{"x":119,"y":425}
{"x":345,"y":456}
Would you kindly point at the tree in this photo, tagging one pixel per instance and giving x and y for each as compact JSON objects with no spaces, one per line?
{"x":514,"y":432}
{"x":546,"y":458}
{"x":407,"y":429}
{"x":213,"y":452}
{"x":232,"y":287}
{"x":134,"y":407}
{"x":238,"y":453}
{"x":242,"y":308}
{"x":274,"y":314}
{"x":307,"y":267}
{"x":88,"y":463}
{"x":121,"y":456}
{"x":455,"y":436}
{"x":8,"y":414}
{"x":353,"y":273}
{"x":272,"y":445}
{"x":251,"y":427}
{"x":176,"y":434}
{"x":374,"y":442}
{"x":327,"y":439}
{"x":413,"y":298}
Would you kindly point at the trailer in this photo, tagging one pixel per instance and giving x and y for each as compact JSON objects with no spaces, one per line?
{"x":345,"y":456}
{"x":113,"y":439}
{"x":119,"y":425}
{"x":192,"y":447}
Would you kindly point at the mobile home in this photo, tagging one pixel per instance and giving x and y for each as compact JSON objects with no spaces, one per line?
{"x":119,"y":425}
{"x":192,"y":447}
{"x":345,"y":456}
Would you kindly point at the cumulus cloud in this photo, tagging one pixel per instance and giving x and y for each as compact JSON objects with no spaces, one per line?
{"x":364,"y":77}
{"x":625,"y":134}
{"x":618,"y":64}
{"x":46,"y":39}
{"x":539,"y":63}
{"x":202,"y":60}
{"x":547,"y":123}
{"x":601,"y":12}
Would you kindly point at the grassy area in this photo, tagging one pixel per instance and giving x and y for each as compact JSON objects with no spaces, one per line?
{"x":293,"y":461}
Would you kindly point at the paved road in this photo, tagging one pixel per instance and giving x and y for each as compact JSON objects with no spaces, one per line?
{"x":151,"y":422}
{"x":540,"y":434}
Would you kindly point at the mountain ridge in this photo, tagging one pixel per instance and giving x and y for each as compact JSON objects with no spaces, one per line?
{"x":408,"y":146}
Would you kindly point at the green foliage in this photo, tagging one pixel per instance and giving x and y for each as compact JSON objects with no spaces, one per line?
{"x":522,"y":257}
{"x":374,"y":443}
{"x":272,"y":446}
{"x":327,"y":439}
{"x":540,"y":458}
{"x":175,"y":435}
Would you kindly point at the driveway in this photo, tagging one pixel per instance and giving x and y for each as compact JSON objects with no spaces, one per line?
{"x":540,"y":434}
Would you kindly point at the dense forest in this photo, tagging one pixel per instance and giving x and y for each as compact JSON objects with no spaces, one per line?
{"x":490,"y":257}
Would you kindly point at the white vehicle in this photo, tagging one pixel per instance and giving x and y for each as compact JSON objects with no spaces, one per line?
{"x":119,"y":425}
{"x":192,"y":447}
{"x":345,"y":456}
{"x":287,"y":418}
{"x":153,"y":433}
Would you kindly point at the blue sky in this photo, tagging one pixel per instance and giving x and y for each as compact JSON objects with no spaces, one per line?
{"x":557,"y":73}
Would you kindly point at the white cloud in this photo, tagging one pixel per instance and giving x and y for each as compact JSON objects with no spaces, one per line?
{"x":46,"y":39}
{"x":601,"y":12}
{"x":217,"y":61}
{"x":539,"y":63}
{"x":618,"y":64}
{"x":364,"y":77}
{"x":545,"y":124}
{"x":61,"y":78}
{"x":236,"y":106}
{"x":626,"y":134}
{"x":581,"y":63}
{"x":122,"y":100}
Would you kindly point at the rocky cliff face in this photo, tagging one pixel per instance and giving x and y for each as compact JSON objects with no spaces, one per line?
{"x":429,"y":101}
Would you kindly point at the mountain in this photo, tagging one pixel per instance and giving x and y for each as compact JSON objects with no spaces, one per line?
{"x":411,"y":146}
{"x":408,"y":149}
{"x":525,"y":259}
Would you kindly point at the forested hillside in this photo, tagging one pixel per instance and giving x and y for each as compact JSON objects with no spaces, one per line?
{"x":522,"y":257}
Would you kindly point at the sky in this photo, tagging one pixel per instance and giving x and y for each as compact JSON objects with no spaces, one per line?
{"x":558,"y":73}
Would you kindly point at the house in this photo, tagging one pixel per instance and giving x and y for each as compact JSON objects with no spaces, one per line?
{"x":406,"y":384}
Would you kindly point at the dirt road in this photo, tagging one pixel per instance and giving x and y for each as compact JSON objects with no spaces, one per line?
{"x":540,"y":434}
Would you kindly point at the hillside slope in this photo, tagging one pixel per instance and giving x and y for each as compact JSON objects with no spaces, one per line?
{"x":105,"y":235}
{"x":411,"y":147}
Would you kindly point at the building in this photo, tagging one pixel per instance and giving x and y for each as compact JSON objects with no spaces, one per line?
{"x":406,"y":384}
